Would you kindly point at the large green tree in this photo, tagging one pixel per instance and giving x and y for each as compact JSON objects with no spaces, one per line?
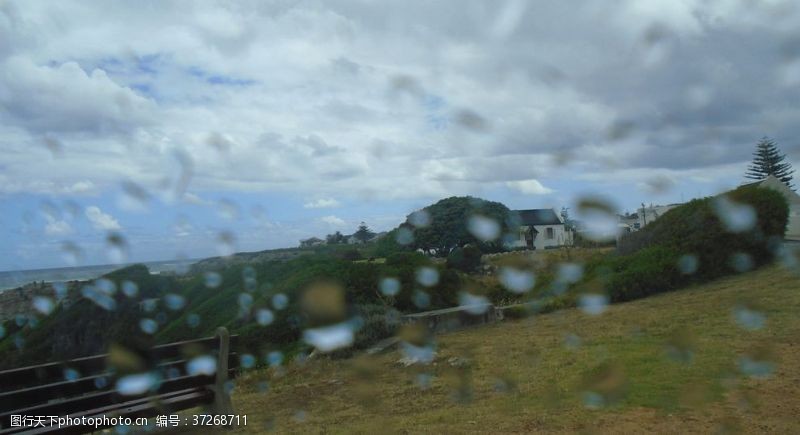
{"x":768,"y":160}
{"x":363,"y":233}
{"x":450,"y":225}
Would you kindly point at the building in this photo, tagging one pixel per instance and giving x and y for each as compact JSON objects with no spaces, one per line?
{"x":647,"y":215}
{"x":541,"y":229}
{"x":793,"y":200}
{"x":314,"y":241}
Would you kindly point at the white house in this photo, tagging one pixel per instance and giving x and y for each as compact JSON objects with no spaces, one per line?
{"x":792,"y":198}
{"x":541,"y":228}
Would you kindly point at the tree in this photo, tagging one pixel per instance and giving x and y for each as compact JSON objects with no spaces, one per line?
{"x":768,"y":160}
{"x":363,"y":233}
{"x":449,"y":226}
{"x":335,"y":238}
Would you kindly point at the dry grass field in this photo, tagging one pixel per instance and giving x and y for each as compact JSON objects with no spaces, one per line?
{"x":723,"y":357}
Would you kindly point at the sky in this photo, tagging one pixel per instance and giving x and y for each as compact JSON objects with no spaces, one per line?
{"x":154,"y":130}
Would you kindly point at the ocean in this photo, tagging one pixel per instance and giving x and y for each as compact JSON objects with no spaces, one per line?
{"x":16,"y":278}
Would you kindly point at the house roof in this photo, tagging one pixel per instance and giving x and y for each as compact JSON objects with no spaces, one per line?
{"x":538,"y":216}
{"x":313,"y":239}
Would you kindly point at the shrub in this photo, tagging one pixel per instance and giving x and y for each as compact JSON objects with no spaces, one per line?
{"x":466,"y":259}
{"x":350,"y":255}
{"x":516,"y":312}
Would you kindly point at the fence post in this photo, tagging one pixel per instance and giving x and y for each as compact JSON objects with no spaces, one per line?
{"x":222,"y":400}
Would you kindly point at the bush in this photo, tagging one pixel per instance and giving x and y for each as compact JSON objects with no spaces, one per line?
{"x":516,"y":312}
{"x":350,"y":255}
{"x":466,"y":259}
{"x":648,"y":260}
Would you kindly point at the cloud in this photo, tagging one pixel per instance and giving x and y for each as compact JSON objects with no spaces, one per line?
{"x":57,"y":227}
{"x":333,"y":220}
{"x":529,"y":187}
{"x":101,"y":220}
{"x":322,"y":203}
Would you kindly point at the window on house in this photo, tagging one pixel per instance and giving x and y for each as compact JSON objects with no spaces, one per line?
{"x":550,"y":233}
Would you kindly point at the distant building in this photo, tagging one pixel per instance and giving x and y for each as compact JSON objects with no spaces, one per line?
{"x":314,"y":241}
{"x":541,"y":228}
{"x":648,"y":215}
{"x":792,"y":198}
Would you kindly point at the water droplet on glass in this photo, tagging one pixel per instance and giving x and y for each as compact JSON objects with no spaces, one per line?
{"x":193,"y":320}
{"x":569,"y":273}
{"x":741,"y":262}
{"x":2,"y":332}
{"x":116,"y":247}
{"x":517,"y":280}
{"x":212,"y":279}
{"x":228,"y":210}
{"x":43,"y":305}
{"x":275,"y":358}
{"x":421,"y":299}
{"x":72,"y":253}
{"x":101,"y":299}
{"x":736,"y":217}
{"x":149,"y":326}
{"x":599,"y":218}
{"x":248,"y":361}
{"x":404,"y":236}
{"x":473,"y":304}
{"x":101,"y":382}
{"x":226,"y":243}
{"x":328,"y":338}
{"x":106,"y":286}
{"x":130,"y":289}
{"x":174,"y":302}
{"x":71,"y":374}
{"x":280,"y":301}
{"x":593,"y":304}
{"x":420,"y":219}
{"x":483,"y":228}
{"x":417,"y":354}
{"x":758,"y":362}
{"x":748,"y":318}
{"x":245,"y":301}
{"x":688,"y":264}
{"x":201,"y":365}
{"x":136,"y":384}
{"x":572,"y":341}
{"x":148,"y":305}
{"x":60,"y":290}
{"x":427,"y":276}
{"x":390,"y":286}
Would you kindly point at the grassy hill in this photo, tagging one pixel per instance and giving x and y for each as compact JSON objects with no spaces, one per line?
{"x":718,"y":357}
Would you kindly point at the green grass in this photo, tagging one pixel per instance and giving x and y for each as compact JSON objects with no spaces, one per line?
{"x":547,"y":378}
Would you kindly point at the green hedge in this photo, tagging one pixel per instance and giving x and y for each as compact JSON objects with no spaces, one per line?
{"x":648,"y":260}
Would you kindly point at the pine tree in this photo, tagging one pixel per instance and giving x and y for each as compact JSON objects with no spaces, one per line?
{"x":768,"y":160}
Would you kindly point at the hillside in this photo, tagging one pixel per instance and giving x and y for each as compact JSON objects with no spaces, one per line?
{"x":687,"y":361}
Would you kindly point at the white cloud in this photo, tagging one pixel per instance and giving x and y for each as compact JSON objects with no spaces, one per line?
{"x":322,"y":203}
{"x":100,"y":220}
{"x":529,"y":187}
{"x":56,"y":227}
{"x":333,"y":220}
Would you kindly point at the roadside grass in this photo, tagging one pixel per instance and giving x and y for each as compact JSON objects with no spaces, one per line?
{"x":666,"y":364}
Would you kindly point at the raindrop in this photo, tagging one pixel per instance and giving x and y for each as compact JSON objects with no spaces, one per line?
{"x":116,"y":247}
{"x":427,"y":276}
{"x":264,"y":317}
{"x":390,"y":286}
{"x":421,"y":299}
{"x":193,"y":320}
{"x":404,"y":236}
{"x":227,"y":209}
{"x":331,"y":337}
{"x":72,"y":253}
{"x":736,"y":217}
{"x":106,"y":286}
{"x":245,"y":300}
{"x":688,"y":264}
{"x":517,"y":280}
{"x":102,"y":299}
{"x":201,"y":365}
{"x":604,"y":385}
{"x":149,"y":326}
{"x":43,"y":305}
{"x":420,"y":219}
{"x":226,"y":243}
{"x":2,"y":332}
{"x":473,"y":304}
{"x":130,"y":289}
{"x":101,"y":382}
{"x":248,"y":361}
{"x":572,"y":341}
{"x":600,"y":219}
{"x":135,"y":198}
{"x":54,"y":145}
{"x":471,"y":120}
{"x":133,"y":385}
{"x":758,"y":362}
{"x":174,"y":302}
{"x":593,"y":304}
{"x":483,"y":228}
{"x":748,"y":318}
{"x":417,"y":354}
{"x":275,"y":358}
{"x":570,"y":273}
{"x":60,"y":290}
{"x":280,"y":301}
{"x":212,"y":279}
{"x":680,"y":345}
{"x":741,"y":262}
{"x":71,"y":374}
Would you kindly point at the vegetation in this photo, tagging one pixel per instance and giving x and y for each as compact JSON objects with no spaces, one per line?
{"x":768,"y":160}
{"x":675,"y":363}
